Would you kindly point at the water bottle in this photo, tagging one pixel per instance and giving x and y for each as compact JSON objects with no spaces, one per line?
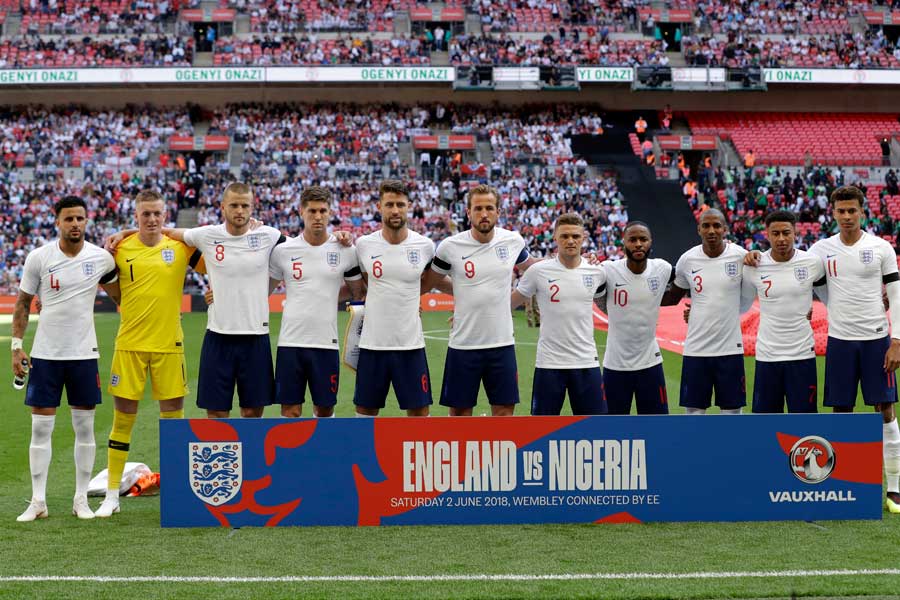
{"x":19,"y":381}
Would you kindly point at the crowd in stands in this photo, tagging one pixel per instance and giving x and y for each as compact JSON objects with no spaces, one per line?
{"x":69,"y":52}
{"x":270,"y":16}
{"x":308,"y":140}
{"x":815,"y":17}
{"x":90,"y":18}
{"x":280,"y":49}
{"x":48,"y":139}
{"x":549,"y":15}
{"x":845,"y":50}
{"x":549,"y":51}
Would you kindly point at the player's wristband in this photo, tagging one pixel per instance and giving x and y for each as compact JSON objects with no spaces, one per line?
{"x":16,"y":344}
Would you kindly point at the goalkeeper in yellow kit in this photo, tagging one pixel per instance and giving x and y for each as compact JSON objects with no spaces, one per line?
{"x":152,"y":269}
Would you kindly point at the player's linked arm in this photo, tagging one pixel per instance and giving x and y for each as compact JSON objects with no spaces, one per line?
{"x":113,"y":291}
{"x":354,"y":289}
{"x":19,"y":325}
{"x":176,"y":233}
{"x":673,"y":295}
{"x":517,"y":299}
{"x":432,"y":280}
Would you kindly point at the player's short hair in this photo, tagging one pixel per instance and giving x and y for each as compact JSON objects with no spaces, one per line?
{"x":483,"y":190}
{"x":69,"y":202}
{"x":781,"y":216}
{"x":315,"y":193}
{"x":393,"y":186}
{"x":238,"y":188}
{"x":715,"y":212}
{"x":568,"y":219}
{"x":631,"y":224}
{"x":147,"y":196}
{"x":848,"y":192}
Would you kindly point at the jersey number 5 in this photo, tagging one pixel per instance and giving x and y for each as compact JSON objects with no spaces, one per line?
{"x":297,"y":269}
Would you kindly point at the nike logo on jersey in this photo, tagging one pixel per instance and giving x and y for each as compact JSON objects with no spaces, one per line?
{"x":293,"y":258}
{"x":552,"y":280}
{"x":217,"y":242}
{"x":128,"y":260}
{"x":55,"y":268}
{"x":830,"y":255}
{"x":618,"y":285}
{"x":764,"y":276}
{"x":374,"y":256}
{"x":694,"y":271}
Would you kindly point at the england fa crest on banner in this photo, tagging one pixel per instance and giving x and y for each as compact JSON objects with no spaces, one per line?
{"x":653,"y":284}
{"x":168,"y":256}
{"x":502,"y":253}
{"x":588,"y":281}
{"x":333,"y":259}
{"x":413,"y":256}
{"x":216,"y":471}
{"x":253,"y":241}
{"x":801,"y":273}
{"x":731,"y":269}
{"x":88,"y":268}
{"x":867,"y":256}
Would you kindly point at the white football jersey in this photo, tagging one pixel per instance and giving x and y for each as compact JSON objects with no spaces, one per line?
{"x":854,"y":275}
{"x":238,"y":269}
{"x":714,"y":328}
{"x":632,"y":305}
{"x":392,"y":320}
{"x":785,"y":297}
{"x":67,"y":287}
{"x":566,"y":300}
{"x":312,"y":281}
{"x":482,"y":277}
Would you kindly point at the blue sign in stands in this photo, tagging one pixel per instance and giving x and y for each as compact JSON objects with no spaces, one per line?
{"x":466,"y":471}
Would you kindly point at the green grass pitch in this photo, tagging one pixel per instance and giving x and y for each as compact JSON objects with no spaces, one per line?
{"x":133,"y":544}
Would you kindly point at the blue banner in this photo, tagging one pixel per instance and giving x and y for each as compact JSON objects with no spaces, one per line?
{"x":484,"y":470}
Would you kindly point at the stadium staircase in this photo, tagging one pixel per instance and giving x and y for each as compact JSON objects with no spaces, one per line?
{"x":657,"y":202}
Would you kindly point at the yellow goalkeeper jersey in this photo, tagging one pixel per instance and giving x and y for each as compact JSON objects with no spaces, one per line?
{"x":152,"y":284}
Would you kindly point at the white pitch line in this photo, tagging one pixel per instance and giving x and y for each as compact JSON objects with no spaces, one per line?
{"x":438,"y":578}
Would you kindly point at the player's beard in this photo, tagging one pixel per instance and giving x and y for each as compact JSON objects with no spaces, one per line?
{"x":631,"y":257}
{"x":484,"y":227}
{"x":390,"y":225}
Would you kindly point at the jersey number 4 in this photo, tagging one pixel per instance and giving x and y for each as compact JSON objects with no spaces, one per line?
{"x":54,"y":283}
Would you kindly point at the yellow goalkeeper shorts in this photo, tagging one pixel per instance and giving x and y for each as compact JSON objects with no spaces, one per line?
{"x":128,"y":378}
